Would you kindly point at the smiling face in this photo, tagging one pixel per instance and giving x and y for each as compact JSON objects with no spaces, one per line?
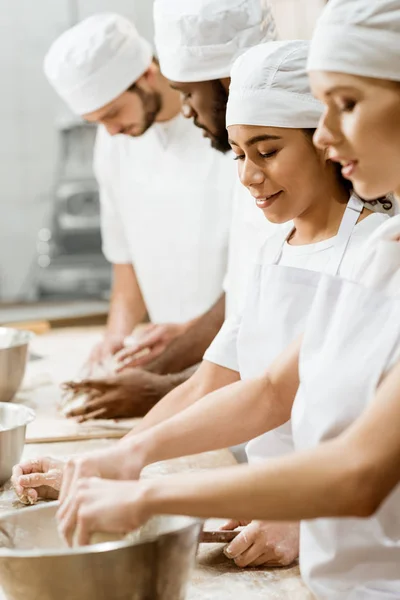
{"x":205,"y":102}
{"x":281,"y":169}
{"x":361,"y":129}
{"x":132,"y":113}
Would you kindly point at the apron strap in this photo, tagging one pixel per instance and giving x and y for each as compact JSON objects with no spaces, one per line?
{"x":351,"y":215}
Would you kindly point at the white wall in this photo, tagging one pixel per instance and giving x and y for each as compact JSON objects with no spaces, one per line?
{"x":28,"y":110}
{"x":296,"y":18}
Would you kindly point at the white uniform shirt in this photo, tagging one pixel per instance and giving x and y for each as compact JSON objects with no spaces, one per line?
{"x":249,"y":230}
{"x":223,"y":350}
{"x":166,"y":203}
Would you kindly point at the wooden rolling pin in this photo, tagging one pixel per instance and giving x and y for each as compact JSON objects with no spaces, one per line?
{"x":217,"y":536}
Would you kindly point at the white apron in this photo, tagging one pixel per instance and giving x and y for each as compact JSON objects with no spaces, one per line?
{"x":352,"y":338}
{"x":275,"y":313}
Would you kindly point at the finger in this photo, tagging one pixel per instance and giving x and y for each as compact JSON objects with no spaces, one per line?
{"x":16,"y":474}
{"x":148,"y":341}
{"x":96,"y":402}
{"x":265,"y":559}
{"x":34,"y":494}
{"x":35,"y":480}
{"x":67,"y":523}
{"x":83,"y":531}
{"x":96,"y":414}
{"x":240,"y":544}
{"x":142,"y":358}
{"x":94,"y":384}
{"x":250,"y":555}
{"x":67,"y":479}
{"x":230,"y":525}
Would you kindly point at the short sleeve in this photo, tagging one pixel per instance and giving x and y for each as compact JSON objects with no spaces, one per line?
{"x":114,"y":243}
{"x":223,"y":350}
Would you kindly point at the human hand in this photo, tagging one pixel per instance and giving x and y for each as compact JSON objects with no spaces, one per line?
{"x":263,"y":543}
{"x":129,"y":394}
{"x":152,"y":342}
{"x":37,"y":479}
{"x":102,"y":506}
{"x":116,"y":463}
{"x":103,"y":350}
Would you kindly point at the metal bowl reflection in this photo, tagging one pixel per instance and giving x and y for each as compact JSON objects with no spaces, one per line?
{"x":13,"y":421}
{"x":13,"y":357}
{"x":154,"y":564}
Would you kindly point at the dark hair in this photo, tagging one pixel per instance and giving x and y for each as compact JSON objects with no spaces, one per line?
{"x":385,"y":201}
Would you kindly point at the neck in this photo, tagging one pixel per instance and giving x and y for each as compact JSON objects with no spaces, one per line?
{"x":171,"y":102}
{"x":226,"y":82}
{"x":397,"y":197}
{"x":322,"y":219}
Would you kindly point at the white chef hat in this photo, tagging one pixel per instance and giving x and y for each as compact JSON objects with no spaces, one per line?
{"x":199,"y":40}
{"x":269,"y":86}
{"x":358,"y":37}
{"x":95,"y":61}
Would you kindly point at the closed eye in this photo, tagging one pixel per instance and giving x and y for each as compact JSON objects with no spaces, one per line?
{"x":269,"y":154}
{"x":239,"y":157}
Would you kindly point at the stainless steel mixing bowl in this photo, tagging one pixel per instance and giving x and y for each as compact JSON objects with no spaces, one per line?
{"x":13,"y":355}
{"x":154,"y":565}
{"x":13,"y":421}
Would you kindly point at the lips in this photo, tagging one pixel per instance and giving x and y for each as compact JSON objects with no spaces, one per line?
{"x":267,"y":201}
{"x":348,"y":166}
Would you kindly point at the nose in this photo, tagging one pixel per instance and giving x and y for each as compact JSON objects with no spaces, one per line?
{"x":250,"y":174}
{"x":328,"y":132}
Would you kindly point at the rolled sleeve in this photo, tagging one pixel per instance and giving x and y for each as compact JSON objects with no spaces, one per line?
{"x":223,"y":350}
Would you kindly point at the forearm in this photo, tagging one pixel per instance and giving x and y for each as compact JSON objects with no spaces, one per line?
{"x":314,"y":484}
{"x":232,"y":415}
{"x":127,"y":308}
{"x":188,"y":349}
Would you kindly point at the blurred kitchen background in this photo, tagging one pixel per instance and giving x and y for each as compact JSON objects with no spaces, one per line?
{"x":51,"y":265}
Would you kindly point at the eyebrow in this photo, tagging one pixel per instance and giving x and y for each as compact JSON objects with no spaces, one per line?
{"x":257,"y":138}
{"x":339,"y":88}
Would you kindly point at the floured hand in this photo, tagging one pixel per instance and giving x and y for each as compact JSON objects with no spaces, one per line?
{"x":263,"y":543}
{"x":108,"y":509}
{"x":38,"y":479}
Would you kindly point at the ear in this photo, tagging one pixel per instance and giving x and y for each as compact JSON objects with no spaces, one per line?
{"x":150,"y":75}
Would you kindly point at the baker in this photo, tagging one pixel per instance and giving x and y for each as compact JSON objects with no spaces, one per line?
{"x":165,"y":195}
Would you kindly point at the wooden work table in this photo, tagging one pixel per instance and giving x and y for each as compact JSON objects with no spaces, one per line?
{"x":215,"y":577}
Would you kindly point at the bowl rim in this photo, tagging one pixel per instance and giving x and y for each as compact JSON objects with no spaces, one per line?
{"x":29,"y":335}
{"x":91,"y":549}
{"x":30,"y":415}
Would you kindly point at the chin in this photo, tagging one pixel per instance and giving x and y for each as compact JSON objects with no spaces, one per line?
{"x":370,"y":190}
{"x":275,"y":218}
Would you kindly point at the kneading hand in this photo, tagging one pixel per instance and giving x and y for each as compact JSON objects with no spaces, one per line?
{"x":129,"y":394}
{"x":38,"y":479}
{"x":151,"y":344}
{"x":116,"y":463}
{"x":102,"y":506}
{"x":263,"y":543}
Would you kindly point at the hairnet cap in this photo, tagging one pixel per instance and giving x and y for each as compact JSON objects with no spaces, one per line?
{"x":358,"y":37}
{"x":269,"y":87}
{"x":95,"y":61}
{"x":199,"y":40}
